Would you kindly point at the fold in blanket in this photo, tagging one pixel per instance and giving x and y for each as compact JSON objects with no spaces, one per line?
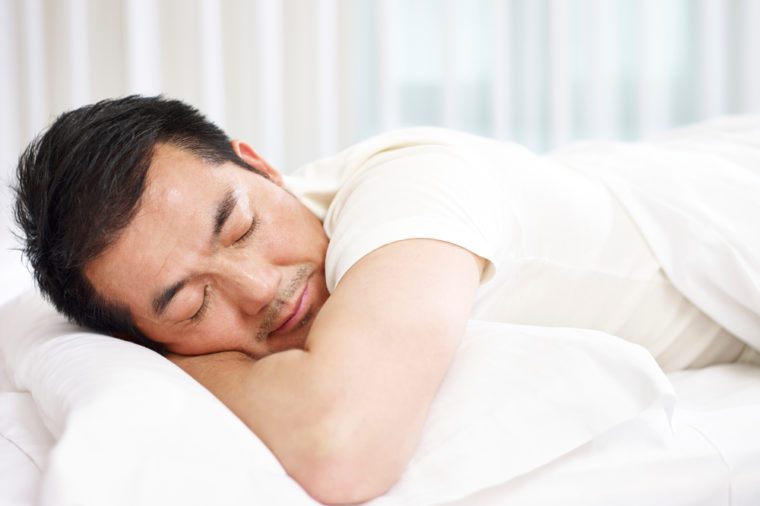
{"x":694,"y":195}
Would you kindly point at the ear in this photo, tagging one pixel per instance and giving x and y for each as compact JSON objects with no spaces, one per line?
{"x":249,"y":156}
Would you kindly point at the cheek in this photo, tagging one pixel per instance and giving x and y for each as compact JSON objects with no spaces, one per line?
{"x":222,"y":330}
{"x":309,"y":234}
{"x":219,"y":331}
{"x":295,"y":230}
{"x":204,"y":343}
{"x":288,"y":234}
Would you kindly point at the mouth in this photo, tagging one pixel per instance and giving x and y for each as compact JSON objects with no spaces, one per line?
{"x":294,"y":314}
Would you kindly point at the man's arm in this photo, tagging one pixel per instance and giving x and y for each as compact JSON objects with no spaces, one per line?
{"x":344,"y":415}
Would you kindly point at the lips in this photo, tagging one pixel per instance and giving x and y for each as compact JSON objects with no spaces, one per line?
{"x":298,"y":312}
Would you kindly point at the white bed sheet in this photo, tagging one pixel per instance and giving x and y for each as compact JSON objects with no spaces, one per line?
{"x":712,"y":459}
{"x":24,"y":445}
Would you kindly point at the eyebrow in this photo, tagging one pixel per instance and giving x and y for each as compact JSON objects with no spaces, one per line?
{"x":224,"y":209}
{"x":163,"y":299}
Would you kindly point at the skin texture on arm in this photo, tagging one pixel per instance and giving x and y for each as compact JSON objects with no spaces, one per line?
{"x":345,"y":414}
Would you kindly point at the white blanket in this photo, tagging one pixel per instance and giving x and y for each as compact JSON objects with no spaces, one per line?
{"x":695,"y":195}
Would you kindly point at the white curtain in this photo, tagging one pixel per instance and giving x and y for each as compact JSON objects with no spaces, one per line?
{"x":301,"y":79}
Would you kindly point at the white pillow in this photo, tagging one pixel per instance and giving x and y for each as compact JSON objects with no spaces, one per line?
{"x":133,"y":428}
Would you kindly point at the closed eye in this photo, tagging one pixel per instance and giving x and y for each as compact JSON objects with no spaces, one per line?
{"x":248,"y":232}
{"x":198,"y":316}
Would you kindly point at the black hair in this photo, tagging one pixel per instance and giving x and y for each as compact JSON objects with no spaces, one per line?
{"x":79,"y":185}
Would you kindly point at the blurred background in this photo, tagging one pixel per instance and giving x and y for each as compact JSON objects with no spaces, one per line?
{"x":301,"y":79}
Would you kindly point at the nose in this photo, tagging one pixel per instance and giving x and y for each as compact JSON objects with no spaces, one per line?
{"x":251,"y":284}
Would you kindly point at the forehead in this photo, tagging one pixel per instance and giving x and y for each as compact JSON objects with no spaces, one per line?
{"x":181,"y":187}
{"x":175,"y":176}
{"x":174,"y":214}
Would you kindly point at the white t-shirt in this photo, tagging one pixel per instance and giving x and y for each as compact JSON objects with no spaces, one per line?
{"x":560,"y":248}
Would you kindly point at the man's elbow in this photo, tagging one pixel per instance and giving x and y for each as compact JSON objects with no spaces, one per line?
{"x":347,"y":479}
{"x":345,"y":461}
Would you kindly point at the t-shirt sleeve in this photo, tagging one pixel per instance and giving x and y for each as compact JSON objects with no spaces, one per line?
{"x":430,"y":192}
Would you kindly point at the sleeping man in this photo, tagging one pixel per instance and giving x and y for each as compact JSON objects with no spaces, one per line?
{"x":324,"y":307}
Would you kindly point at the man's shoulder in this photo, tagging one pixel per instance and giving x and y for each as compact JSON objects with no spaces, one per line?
{"x":399,"y":138}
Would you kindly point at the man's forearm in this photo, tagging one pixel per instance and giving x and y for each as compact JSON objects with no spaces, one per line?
{"x":338,"y":454}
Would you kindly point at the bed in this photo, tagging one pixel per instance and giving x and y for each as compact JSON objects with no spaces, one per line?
{"x":694,"y":445}
{"x":526,"y":415}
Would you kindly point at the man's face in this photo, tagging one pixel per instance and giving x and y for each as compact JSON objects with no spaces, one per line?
{"x":217,"y":258}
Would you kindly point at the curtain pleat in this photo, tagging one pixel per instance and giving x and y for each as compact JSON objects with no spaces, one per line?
{"x":327,"y":77}
{"x":713,"y":57}
{"x":32,"y":69}
{"x":10,"y":89}
{"x":142,"y":25}
{"x":78,"y":57}
{"x":501,"y":86}
{"x":749,"y":49}
{"x":211,"y":71}
{"x":387,"y":100}
{"x":267,"y":69}
{"x":558,"y":74}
